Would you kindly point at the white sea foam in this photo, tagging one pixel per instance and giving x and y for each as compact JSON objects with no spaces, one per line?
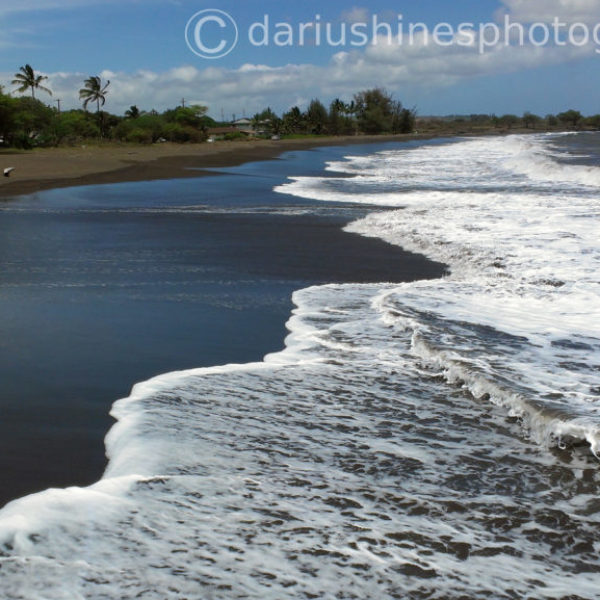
{"x":346,"y":466}
{"x":340,"y":467}
{"x":521,"y":237}
{"x":533,"y":158}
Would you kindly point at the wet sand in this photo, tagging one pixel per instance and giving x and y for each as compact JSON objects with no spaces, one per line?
{"x":50,"y":168}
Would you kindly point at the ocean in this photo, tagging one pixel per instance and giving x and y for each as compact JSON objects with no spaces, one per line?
{"x":428,"y":439}
{"x":105,"y":286}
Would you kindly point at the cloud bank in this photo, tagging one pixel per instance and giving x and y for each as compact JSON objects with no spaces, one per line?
{"x":405,"y":70}
{"x":545,"y":11}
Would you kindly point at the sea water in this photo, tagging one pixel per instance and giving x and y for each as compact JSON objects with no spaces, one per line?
{"x":425,"y":440}
{"x":105,"y":286}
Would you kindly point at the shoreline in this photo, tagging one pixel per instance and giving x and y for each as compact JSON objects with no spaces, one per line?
{"x":214,"y":287}
{"x":52,"y":168}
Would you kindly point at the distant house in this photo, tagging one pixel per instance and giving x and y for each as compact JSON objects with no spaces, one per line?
{"x":242,"y":123}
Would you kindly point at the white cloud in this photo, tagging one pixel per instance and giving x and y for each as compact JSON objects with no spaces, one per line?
{"x":356,"y":15}
{"x":545,"y":11}
{"x":408,"y":69}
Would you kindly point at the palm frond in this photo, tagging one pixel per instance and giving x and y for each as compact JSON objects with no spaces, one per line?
{"x":93,"y":91}
{"x":26,"y":79}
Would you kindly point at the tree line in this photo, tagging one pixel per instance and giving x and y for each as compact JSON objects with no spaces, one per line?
{"x":371,"y":111}
{"x":570,"y":119}
{"x":26,"y":122}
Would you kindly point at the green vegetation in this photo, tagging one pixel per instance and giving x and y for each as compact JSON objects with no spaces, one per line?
{"x":180,"y":124}
{"x":482,"y":123}
{"x":26,"y":122}
{"x":371,"y":112}
{"x":570,"y":118}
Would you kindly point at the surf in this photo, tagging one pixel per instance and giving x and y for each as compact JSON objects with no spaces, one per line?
{"x":410,"y":440}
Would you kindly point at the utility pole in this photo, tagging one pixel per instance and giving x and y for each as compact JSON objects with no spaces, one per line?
{"x":58,"y":101}
{"x":183,"y":103}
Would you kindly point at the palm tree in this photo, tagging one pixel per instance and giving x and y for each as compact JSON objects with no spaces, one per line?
{"x":338,"y":106}
{"x":132,"y":113}
{"x":27,"y":78}
{"x":94,"y":92}
{"x":351,"y":108}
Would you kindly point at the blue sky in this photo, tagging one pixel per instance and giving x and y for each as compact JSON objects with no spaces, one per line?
{"x":140,"y":45}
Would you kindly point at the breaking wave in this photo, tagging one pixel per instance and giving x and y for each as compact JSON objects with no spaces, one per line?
{"x":381,"y":454}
